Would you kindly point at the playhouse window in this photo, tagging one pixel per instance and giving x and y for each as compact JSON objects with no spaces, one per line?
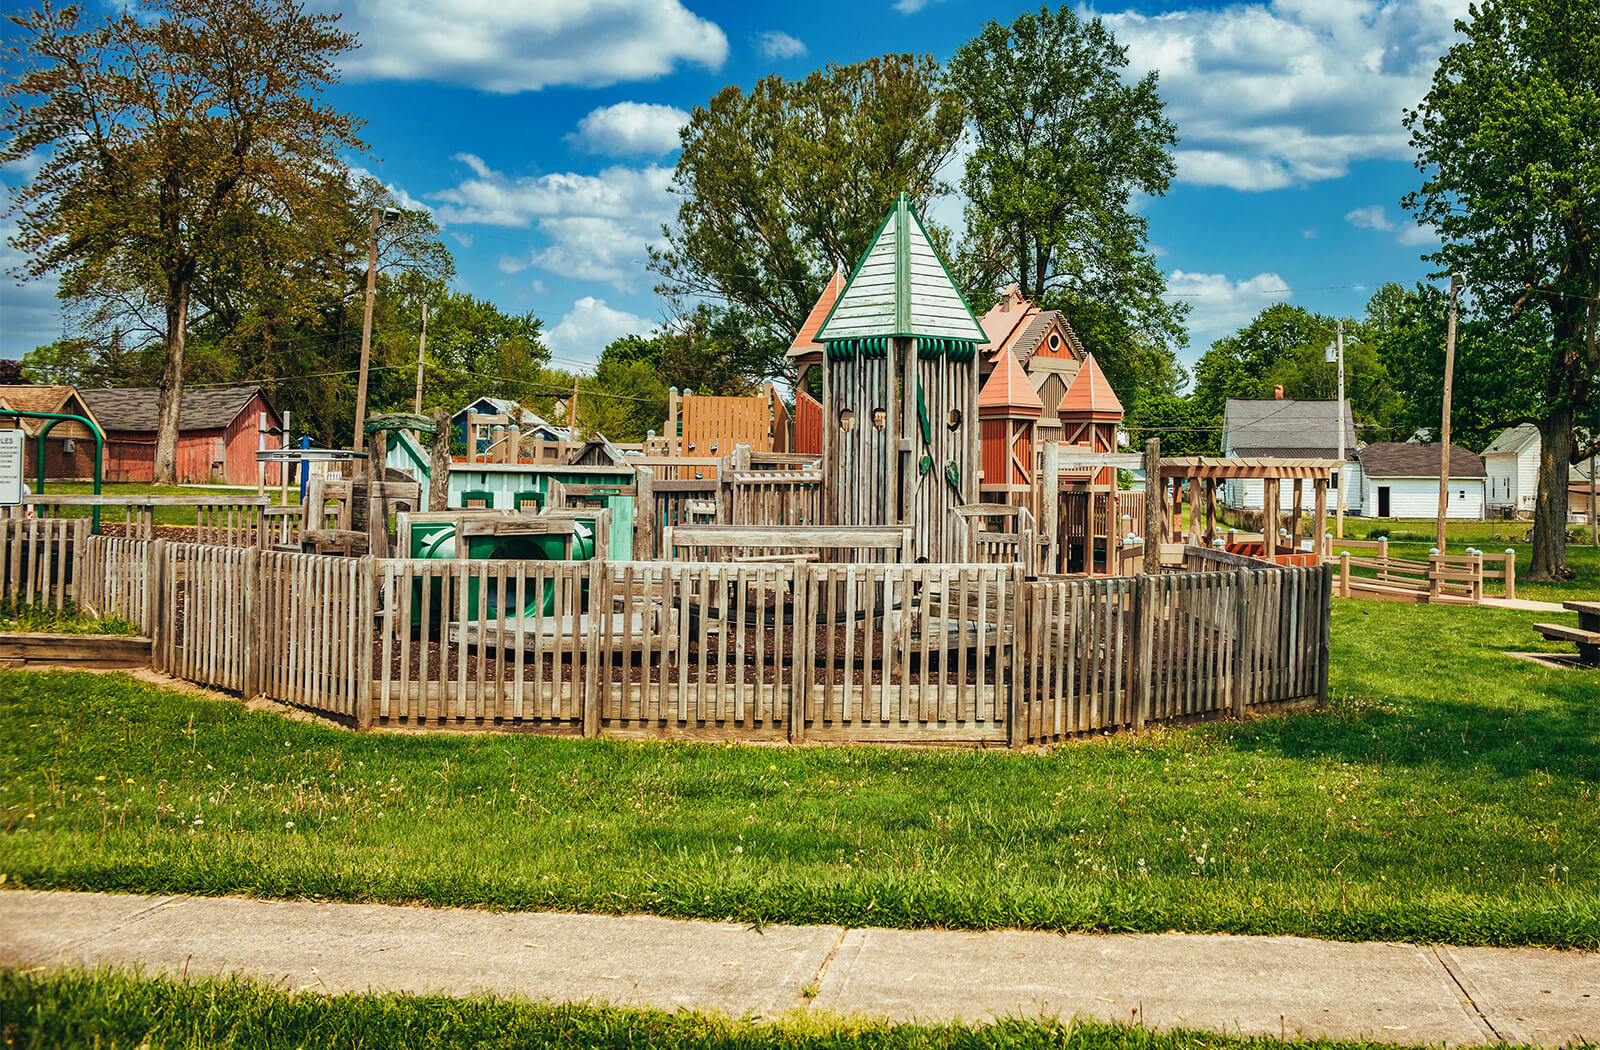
{"x":1055,"y":341}
{"x":953,"y":420}
{"x":847,"y":419}
{"x":880,"y":419}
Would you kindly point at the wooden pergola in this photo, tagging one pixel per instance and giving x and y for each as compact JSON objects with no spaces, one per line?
{"x":1204,"y":472}
{"x":1200,"y":474}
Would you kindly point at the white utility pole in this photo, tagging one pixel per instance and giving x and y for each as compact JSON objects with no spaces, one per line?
{"x":1338,"y":528}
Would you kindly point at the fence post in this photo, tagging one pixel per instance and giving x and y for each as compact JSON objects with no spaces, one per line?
{"x":1021,"y":631}
{"x":251,"y":623}
{"x":800,"y":658}
{"x":80,"y":544}
{"x":155,"y":601}
{"x":646,"y":516}
{"x":599,"y":605}
{"x":1344,"y":574}
{"x":1511,"y":573}
{"x":1383,"y":558}
{"x":1325,"y":641}
{"x":1242,"y":655}
{"x":1144,"y":610}
{"x":366,"y":611}
{"x":1435,"y":567}
{"x":1477,"y":577}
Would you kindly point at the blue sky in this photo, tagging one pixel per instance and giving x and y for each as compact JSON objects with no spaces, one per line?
{"x":541,"y":136}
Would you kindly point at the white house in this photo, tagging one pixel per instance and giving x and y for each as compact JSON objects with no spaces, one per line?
{"x":1512,"y":465}
{"x":1283,"y":428}
{"x":1401,"y":480}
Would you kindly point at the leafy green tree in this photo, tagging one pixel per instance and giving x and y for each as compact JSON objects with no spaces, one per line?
{"x":784,"y":183}
{"x":1062,"y":143}
{"x":1277,"y":341}
{"x":165,"y":131}
{"x":1508,"y":143}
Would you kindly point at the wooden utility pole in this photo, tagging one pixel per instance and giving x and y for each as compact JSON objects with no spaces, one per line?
{"x":422,"y":347}
{"x":1594,"y":502}
{"x":1153,"y":509}
{"x":1444,"y":436}
{"x":358,"y":441}
{"x":572,"y":411}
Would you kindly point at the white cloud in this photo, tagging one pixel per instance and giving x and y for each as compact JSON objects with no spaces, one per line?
{"x":630,"y":128}
{"x":402,"y":198}
{"x":1373,"y":217}
{"x":1218,"y":305}
{"x":911,"y":7}
{"x":506,"y":47}
{"x":595,"y":227}
{"x":1292,"y":91}
{"x":589,"y":326}
{"x":776,"y":44}
{"x":463,"y":239}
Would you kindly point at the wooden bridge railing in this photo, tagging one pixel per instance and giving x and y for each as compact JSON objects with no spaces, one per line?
{"x":1455,"y":578}
{"x":974,"y":654}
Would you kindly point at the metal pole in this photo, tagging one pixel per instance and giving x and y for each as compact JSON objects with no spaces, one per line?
{"x":1338,"y":527}
{"x":1444,"y":436}
{"x":422,"y":346}
{"x":358,"y":441}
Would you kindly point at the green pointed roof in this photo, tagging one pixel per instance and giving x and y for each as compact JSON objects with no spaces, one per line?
{"x":901,"y":287}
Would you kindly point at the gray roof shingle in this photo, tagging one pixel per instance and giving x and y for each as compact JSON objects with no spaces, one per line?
{"x":1405,"y":459}
{"x":1295,"y":429}
{"x":136,"y":408}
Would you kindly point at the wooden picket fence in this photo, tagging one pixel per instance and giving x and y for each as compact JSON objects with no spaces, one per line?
{"x":39,"y":555}
{"x":843,"y":653}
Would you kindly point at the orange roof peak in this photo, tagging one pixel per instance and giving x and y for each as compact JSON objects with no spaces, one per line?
{"x":805,"y":343}
{"x":1008,"y":392}
{"x":1090,"y":395}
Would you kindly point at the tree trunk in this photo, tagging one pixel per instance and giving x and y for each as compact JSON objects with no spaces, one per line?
{"x":171,"y":399}
{"x":1550,"y":504}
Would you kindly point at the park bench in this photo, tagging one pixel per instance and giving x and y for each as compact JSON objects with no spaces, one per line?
{"x":1586,"y":634}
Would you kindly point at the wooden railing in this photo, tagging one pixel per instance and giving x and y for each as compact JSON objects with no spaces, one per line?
{"x":975,"y":654}
{"x":234,"y":521}
{"x":1457,"y":578}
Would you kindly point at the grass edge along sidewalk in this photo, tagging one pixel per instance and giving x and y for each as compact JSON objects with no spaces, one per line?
{"x":115,"y":1010}
{"x":1448,"y":794}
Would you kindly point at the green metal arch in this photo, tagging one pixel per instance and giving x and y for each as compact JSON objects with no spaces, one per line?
{"x":64,"y":417}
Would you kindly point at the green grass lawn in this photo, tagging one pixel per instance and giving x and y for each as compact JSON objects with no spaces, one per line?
{"x":1449,"y":793}
{"x":109,"y":1011}
{"x":47,"y":619}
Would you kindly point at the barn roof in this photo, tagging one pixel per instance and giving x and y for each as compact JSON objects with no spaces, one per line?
{"x":1090,"y":394}
{"x":1007,"y":392}
{"x":1406,"y":459}
{"x":26,"y":397}
{"x":805,"y":341}
{"x":901,"y":287}
{"x":133,"y":408}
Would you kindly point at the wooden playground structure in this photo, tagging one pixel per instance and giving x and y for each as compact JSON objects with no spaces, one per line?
{"x":888,"y":589}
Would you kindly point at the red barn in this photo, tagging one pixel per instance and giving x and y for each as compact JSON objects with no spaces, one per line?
{"x":219,"y":431}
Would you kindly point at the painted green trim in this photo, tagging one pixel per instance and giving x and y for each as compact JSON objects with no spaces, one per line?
{"x":902,"y":263}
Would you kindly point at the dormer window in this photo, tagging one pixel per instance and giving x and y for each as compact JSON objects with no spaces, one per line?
{"x":1055,"y":341}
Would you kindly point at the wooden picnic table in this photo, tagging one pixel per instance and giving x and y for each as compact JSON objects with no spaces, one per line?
{"x":1586,"y":634}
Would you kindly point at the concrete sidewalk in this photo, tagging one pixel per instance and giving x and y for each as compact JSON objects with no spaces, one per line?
{"x":1252,"y":985}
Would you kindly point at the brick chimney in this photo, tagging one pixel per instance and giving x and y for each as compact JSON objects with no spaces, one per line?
{"x":1277,"y":392}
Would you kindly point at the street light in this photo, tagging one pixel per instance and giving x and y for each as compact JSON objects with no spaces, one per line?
{"x":380,"y":217}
